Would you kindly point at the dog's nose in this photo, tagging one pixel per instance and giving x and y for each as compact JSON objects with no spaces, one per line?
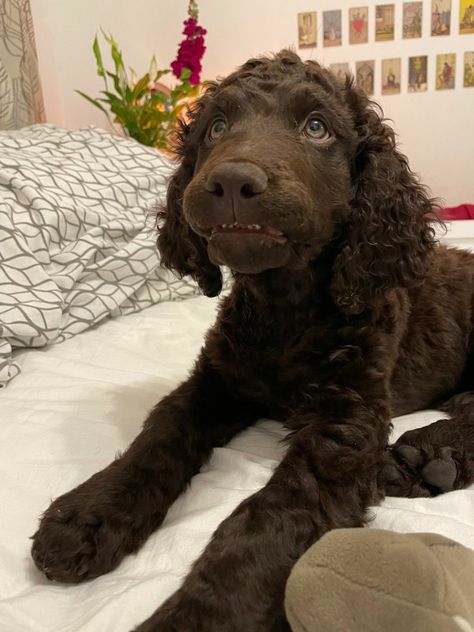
{"x":235,"y":182}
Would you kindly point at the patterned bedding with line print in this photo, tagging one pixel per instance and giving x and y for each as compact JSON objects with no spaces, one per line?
{"x":77,"y":234}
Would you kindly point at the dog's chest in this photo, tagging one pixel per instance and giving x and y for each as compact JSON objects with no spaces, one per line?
{"x":277,"y":365}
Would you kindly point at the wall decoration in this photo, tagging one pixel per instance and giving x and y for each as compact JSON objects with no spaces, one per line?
{"x":307,"y":29}
{"x":440,"y":17}
{"x":391,"y":75}
{"x":384,"y":22}
{"x":342,"y":71}
{"x":358,"y":25}
{"x":412,"y":19}
{"x":365,"y":71}
{"x":418,"y":73}
{"x":466,"y":16}
{"x":332,"y":28}
{"x":469,"y":69}
{"x":445,"y":71}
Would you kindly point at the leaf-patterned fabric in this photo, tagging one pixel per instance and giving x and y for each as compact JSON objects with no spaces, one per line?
{"x":77,"y":234}
{"x":21,"y":98}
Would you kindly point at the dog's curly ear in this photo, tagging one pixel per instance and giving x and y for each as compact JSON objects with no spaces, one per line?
{"x":181,"y":249}
{"x":390,"y":231}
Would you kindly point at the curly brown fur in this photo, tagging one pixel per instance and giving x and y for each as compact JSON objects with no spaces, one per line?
{"x":344,"y":312}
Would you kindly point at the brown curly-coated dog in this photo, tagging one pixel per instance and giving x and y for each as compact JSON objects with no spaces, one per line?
{"x":343,"y":313}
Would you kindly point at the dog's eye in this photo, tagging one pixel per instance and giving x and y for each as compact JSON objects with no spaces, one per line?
{"x":316,"y":129}
{"x":217,"y":128}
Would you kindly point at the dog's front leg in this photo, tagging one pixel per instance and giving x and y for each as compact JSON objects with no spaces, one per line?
{"x":327,"y":480}
{"x":87,"y":531}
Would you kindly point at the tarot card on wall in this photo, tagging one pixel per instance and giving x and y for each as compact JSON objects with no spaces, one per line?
{"x":358,"y":25}
{"x":391,"y":75}
{"x":469,"y":69}
{"x":332,"y":28}
{"x":342,"y":71}
{"x":418,"y":73}
{"x":445,"y":71}
{"x":384,"y":22}
{"x":365,"y":71}
{"x":466,"y":16}
{"x":440,"y":17}
{"x":307,"y":29}
{"x":412,"y":19}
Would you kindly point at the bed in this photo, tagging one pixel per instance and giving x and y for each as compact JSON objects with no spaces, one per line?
{"x":72,"y":406}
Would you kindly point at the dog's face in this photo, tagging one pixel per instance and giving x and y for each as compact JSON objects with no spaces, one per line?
{"x":279,"y":161}
{"x":272,"y":176}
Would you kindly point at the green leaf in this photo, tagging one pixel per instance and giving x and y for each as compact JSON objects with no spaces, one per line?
{"x":117,"y":58}
{"x":128,"y":95}
{"x":158,"y":97}
{"x":133,"y":76}
{"x":112,"y":98}
{"x":116,"y":80}
{"x":108,"y":37}
{"x":98,"y":57}
{"x":185,"y":74}
{"x":153,"y":67}
{"x":93,"y":101}
{"x":140,"y":87}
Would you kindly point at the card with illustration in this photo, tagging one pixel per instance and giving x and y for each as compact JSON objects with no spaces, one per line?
{"x":384,"y":22}
{"x":418,"y":73}
{"x":440,"y":17}
{"x":358,"y":25}
{"x":332,"y":28}
{"x":466,"y":16}
{"x":342,"y":71}
{"x":469,"y":69}
{"x":391,"y":74}
{"x":307,"y":29}
{"x":365,"y":71}
{"x":445,"y":71}
{"x":412,"y":19}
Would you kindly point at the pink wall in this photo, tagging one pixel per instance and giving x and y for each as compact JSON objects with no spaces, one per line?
{"x":435,"y":128}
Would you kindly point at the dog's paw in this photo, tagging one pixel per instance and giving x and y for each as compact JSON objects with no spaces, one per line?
{"x":80,"y":537}
{"x":397,"y":481}
{"x":411,"y":471}
{"x":441,"y":472}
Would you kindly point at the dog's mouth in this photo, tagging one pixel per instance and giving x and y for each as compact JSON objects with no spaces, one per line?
{"x":250,"y":229}
{"x":248,"y":248}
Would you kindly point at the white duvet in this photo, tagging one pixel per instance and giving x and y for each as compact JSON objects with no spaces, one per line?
{"x":74,"y":406}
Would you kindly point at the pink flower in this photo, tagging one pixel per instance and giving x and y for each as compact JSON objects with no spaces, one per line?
{"x":191,"y":51}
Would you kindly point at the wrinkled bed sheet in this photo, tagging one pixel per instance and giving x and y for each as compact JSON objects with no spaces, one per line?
{"x":67,"y":414}
{"x":77,"y":234}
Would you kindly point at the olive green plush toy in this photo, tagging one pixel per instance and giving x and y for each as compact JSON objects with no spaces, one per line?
{"x":369,"y":580}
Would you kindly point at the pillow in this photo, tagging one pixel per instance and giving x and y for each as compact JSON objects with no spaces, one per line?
{"x":77,"y":234}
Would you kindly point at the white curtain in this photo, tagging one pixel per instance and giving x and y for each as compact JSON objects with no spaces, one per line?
{"x":21,"y":98}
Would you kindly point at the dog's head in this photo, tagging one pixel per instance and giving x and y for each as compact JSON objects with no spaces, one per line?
{"x":280,"y":161}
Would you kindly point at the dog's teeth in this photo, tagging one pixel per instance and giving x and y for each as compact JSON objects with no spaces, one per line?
{"x":237,"y":226}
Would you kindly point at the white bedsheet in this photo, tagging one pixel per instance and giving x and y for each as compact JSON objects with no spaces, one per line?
{"x":74,"y":406}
